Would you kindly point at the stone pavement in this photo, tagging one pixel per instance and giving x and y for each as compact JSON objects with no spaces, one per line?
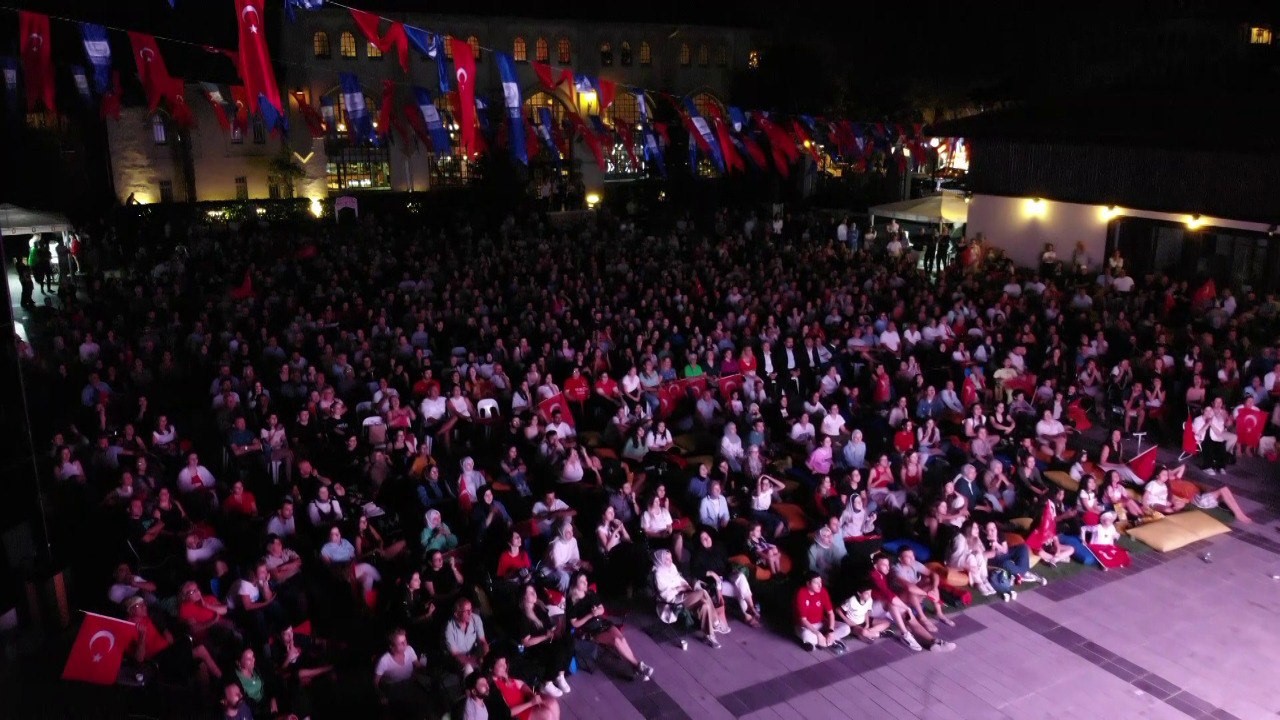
{"x":1171,"y":637}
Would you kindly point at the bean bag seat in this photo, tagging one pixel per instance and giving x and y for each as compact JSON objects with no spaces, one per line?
{"x":1184,"y":489}
{"x":686,"y":442}
{"x":797,"y":522}
{"x":951,"y":576}
{"x":893,"y":546}
{"x":762,"y":574}
{"x":1081,"y":553}
{"x":1178,"y":530}
{"x":1063,"y":480}
{"x":605,"y":453}
{"x":1022,"y":523}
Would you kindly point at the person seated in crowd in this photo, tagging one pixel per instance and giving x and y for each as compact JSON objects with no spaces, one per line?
{"x":586,"y":614}
{"x":828,"y":551}
{"x":464,"y":637}
{"x":859,"y":613}
{"x":912,"y":628}
{"x":340,"y":556}
{"x":545,"y":642}
{"x":398,"y":676}
{"x":916,"y":583}
{"x":815,"y":617}
{"x":174,"y":658}
{"x":674,"y":590}
{"x":563,"y":555}
{"x":709,"y":562}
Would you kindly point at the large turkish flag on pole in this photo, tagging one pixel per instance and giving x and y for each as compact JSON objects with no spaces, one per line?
{"x":255,"y":64}
{"x":99,"y":649}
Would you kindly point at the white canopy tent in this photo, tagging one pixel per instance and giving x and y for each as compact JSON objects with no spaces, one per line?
{"x":15,"y":220}
{"x":946,"y":207}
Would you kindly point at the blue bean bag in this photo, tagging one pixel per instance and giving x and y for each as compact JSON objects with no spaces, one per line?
{"x":1082,"y":553}
{"x":893,"y":546}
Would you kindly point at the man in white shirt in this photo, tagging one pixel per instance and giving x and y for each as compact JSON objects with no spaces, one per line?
{"x":713,"y":511}
{"x":564,"y":430}
{"x":433,"y":408}
{"x":548,"y":510}
{"x":890,"y":339}
{"x":1052,"y":432}
{"x":1122,"y":283}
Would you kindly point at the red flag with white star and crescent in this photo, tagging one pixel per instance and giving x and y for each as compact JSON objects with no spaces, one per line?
{"x":255,"y":63}
{"x":37,"y":59}
{"x":99,"y":649}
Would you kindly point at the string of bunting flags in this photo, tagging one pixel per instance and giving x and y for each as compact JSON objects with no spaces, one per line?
{"x":734,"y":141}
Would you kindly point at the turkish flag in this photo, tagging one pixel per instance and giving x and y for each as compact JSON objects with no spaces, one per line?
{"x":111,"y":100}
{"x":1190,"y":445}
{"x":1205,"y":294}
{"x":1144,"y":464}
{"x":178,"y":103}
{"x":464,"y":71}
{"x":728,"y":385}
{"x":156,"y":82}
{"x":1249,"y":425}
{"x":255,"y":64}
{"x":553,"y":403}
{"x":99,"y":649}
{"x":37,"y":59}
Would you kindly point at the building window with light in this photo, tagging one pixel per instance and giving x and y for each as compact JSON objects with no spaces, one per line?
{"x":624,"y":54}
{"x":519,"y":50}
{"x":357,"y":166}
{"x":158,"y":131}
{"x":242,"y":188}
{"x":448,"y":47}
{"x":474,"y":42}
{"x":320,"y":44}
{"x":625,"y":110}
{"x":564,"y":51}
{"x":1260,"y":36}
{"x":347,"y":45}
{"x":541,"y":51}
{"x":722,"y":56}
{"x":686,"y":56}
{"x":753,"y":59}
{"x":646,"y":54}
{"x":372,"y":51}
{"x":704,"y":55}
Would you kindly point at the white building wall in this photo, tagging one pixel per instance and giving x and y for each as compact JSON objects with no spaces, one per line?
{"x":138,"y":164}
{"x":1022,"y":226}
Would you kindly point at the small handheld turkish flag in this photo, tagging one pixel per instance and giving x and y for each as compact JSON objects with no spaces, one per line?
{"x":99,"y":649}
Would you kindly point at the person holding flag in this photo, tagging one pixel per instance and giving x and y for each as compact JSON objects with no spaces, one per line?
{"x":1250,"y":422}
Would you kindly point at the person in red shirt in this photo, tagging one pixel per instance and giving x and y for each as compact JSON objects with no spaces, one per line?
{"x":576,"y":387}
{"x":816,"y":623}
{"x":201,"y":613}
{"x":882,"y":387}
{"x":514,"y":564}
{"x":888,"y":602}
{"x":240,"y":502}
{"x":521,"y":699}
{"x":151,"y":644}
{"x":605,"y":399}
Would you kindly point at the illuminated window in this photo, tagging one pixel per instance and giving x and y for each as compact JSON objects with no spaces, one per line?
{"x":519,"y":50}
{"x":474,"y":42}
{"x":753,"y":59}
{"x":625,"y":110}
{"x":448,"y":47}
{"x":543,"y":99}
{"x":347,"y":45}
{"x":624,"y":53}
{"x":1260,"y":36}
{"x":320,"y":44}
{"x":158,"y":131}
{"x":707,"y":104}
{"x":372,"y":51}
{"x":541,"y":52}
{"x":646,"y":55}
{"x":685,"y":55}
{"x":704,"y":55}
{"x":358,"y":167}
{"x":722,"y":56}
{"x":606,"y":54}
{"x":564,"y":51}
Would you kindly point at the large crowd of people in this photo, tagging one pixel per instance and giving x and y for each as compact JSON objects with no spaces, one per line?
{"x":442,"y":463}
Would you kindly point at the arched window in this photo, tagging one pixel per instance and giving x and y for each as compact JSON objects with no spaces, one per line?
{"x":722,"y":55}
{"x":541,"y":52}
{"x":646,"y":55}
{"x":519,"y":50}
{"x":474,"y":42}
{"x":448,"y":47}
{"x":707,"y":104}
{"x":606,"y":54}
{"x":704,"y":55}
{"x":624,"y":53}
{"x":158,"y":131}
{"x":625,"y":110}
{"x":685,"y":55}
{"x":753,"y":59}
{"x":347,"y":45}
{"x":320,"y":43}
{"x":372,"y":51}
{"x":564,"y":51}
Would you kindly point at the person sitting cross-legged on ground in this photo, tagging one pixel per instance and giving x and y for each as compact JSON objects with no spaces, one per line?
{"x":816,"y":624}
{"x":861,"y":615}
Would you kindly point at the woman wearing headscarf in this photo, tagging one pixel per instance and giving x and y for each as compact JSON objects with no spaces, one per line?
{"x":673,"y":589}
{"x":436,"y":535}
{"x":470,"y":480}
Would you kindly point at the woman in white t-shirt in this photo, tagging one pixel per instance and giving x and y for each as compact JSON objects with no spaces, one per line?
{"x":393,"y":672}
{"x":563,"y":555}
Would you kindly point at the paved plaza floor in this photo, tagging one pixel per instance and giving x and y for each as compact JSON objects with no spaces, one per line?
{"x":1173,"y":636}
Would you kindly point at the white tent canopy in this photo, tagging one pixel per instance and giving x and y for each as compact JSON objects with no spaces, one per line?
{"x":946,"y":207}
{"x":15,"y":220}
